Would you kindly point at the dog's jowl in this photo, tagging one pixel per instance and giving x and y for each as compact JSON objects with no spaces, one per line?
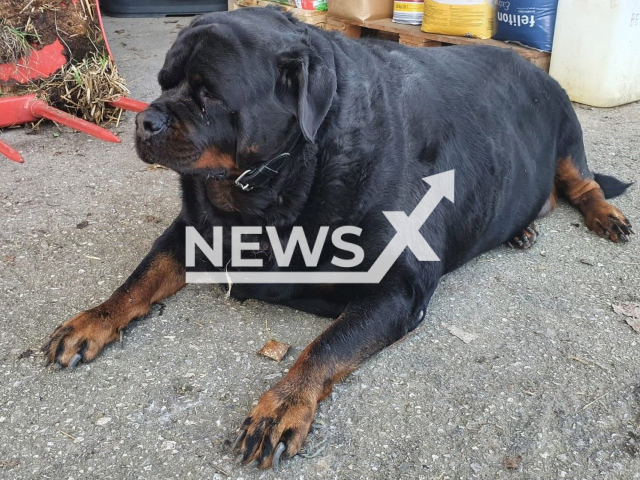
{"x":271,"y":122}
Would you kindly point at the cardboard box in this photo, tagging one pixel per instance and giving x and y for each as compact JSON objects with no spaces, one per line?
{"x":361,"y":10}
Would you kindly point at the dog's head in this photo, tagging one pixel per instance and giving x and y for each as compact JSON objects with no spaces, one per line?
{"x":235,"y":87}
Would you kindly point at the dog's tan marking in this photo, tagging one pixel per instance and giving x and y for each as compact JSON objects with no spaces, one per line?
{"x":89,"y":332}
{"x":212,"y":158}
{"x":285,"y":412}
{"x":585,"y":193}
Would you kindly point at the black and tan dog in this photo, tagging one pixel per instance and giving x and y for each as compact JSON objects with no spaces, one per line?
{"x":363,"y":122}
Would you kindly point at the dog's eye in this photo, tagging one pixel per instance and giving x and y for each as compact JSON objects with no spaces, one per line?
{"x":207,"y":94}
{"x":212,"y":100}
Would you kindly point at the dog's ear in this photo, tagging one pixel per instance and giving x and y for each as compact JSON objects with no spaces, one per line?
{"x":173,"y":69}
{"x":306,"y":86}
{"x":200,"y":35}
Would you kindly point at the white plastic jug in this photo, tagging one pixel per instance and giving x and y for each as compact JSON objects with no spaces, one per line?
{"x":596,"y":51}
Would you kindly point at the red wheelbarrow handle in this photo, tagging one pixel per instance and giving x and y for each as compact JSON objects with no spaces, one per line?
{"x":28,"y":108}
{"x":40,"y":109}
{"x":10,"y":153}
{"x":17,"y":110}
{"x":130,"y":104}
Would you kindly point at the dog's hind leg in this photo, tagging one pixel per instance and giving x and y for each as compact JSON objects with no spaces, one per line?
{"x":529,"y":235}
{"x":550,"y":205}
{"x":526,"y":239}
{"x":589,"y":194}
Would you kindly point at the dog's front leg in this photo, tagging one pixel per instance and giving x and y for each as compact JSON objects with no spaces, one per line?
{"x":158,"y":276}
{"x":280,"y":422}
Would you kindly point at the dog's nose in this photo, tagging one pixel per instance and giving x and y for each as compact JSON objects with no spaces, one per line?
{"x":150,"y":122}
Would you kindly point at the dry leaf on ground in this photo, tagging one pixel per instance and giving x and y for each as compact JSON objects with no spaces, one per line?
{"x":102,"y":421}
{"x":632,"y":312}
{"x":156,"y":166}
{"x":466,"y":337}
{"x":512,"y":463}
{"x":274,"y":350}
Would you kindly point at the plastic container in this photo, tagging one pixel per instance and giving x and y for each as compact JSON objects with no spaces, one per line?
{"x":596,"y":51}
{"x":160,"y":8}
{"x":408,"y":12}
{"x":464,"y":18}
{"x":527,"y":22}
{"x":320,"y":5}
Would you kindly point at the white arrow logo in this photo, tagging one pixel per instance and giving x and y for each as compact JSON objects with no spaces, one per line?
{"x":407,"y":235}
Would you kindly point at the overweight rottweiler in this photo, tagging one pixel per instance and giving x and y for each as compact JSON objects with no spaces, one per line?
{"x":272,"y":122}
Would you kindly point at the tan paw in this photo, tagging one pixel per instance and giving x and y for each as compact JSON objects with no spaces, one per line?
{"x":608,"y":221}
{"x":81,"y":338}
{"x":278,"y":425}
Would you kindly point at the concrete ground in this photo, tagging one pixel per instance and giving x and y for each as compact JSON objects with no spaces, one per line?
{"x":550,"y":385}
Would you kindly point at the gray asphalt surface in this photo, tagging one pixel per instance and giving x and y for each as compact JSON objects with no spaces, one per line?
{"x":551,"y":380}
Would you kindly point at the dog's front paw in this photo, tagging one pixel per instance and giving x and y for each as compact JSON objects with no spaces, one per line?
{"x":81,"y":338}
{"x":277,"y":426}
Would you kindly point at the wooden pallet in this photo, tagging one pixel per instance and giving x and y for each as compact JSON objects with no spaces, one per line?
{"x":312,"y":17}
{"x":412,"y":35}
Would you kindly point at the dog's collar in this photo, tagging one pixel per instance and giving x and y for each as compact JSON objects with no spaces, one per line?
{"x":259,"y":175}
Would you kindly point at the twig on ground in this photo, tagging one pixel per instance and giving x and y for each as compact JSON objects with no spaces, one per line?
{"x":67,"y":435}
{"x":594,"y":401}
{"x":587,"y":362}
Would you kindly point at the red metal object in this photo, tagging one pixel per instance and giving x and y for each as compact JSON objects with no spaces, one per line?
{"x":40,"y":109}
{"x":39,"y":64}
{"x":10,"y":153}
{"x":130,"y":104}
{"x":124,"y":103}
{"x":104,"y":34}
{"x":14,"y":110}
{"x":17,"y":110}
